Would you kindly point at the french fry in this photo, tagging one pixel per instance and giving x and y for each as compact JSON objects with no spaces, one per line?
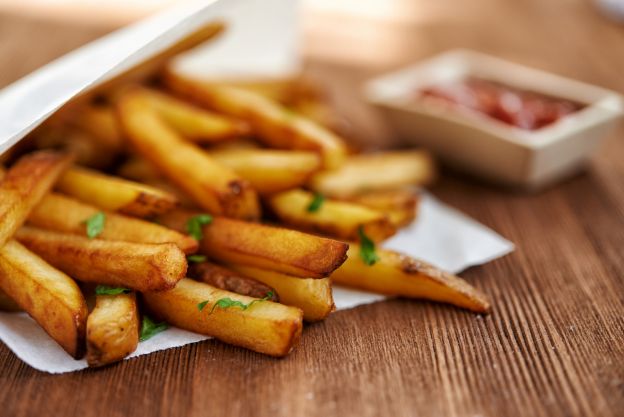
{"x":100,"y":123}
{"x":194,"y":123}
{"x":64,"y":214}
{"x":375,"y":172}
{"x":267,"y":247}
{"x":400,"y":205}
{"x":276,"y":89}
{"x":272,"y":248}
{"x":138,"y":169}
{"x":225,"y":279}
{"x":115,"y":194}
{"x":49,"y":296}
{"x":401,"y":275}
{"x":312,"y":296}
{"x":212,"y":186}
{"x":112,"y":329}
{"x":339,"y":219}
{"x":88,"y":150}
{"x":7,"y":303}
{"x":275,"y":125}
{"x":270,"y":171}
{"x":137,"y":266}
{"x":24,"y":185}
{"x":265,"y":327}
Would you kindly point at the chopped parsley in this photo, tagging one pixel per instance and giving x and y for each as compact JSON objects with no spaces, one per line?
{"x":196,"y":258}
{"x":150,"y":329}
{"x":316,"y":203}
{"x":229,"y":303}
{"x":106,"y":290}
{"x":95,"y":224}
{"x":195,"y":223}
{"x":367,"y":248}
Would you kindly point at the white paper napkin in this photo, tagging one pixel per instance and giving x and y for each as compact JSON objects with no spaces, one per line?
{"x":254,"y":44}
{"x":441,"y":236}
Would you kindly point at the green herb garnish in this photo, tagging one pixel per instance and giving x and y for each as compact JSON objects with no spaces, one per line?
{"x":228,"y":303}
{"x":196,"y":258}
{"x":106,"y":290}
{"x":195,"y":223}
{"x":95,"y":224}
{"x":150,"y":329}
{"x":367,"y":248}
{"x":316,"y":203}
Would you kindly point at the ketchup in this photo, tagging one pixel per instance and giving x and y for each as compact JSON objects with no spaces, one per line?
{"x":520,"y":108}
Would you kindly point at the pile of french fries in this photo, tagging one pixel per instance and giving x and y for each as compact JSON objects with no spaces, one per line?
{"x":225,"y":210}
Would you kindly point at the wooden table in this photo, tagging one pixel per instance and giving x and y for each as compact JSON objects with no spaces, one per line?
{"x":554,"y":344}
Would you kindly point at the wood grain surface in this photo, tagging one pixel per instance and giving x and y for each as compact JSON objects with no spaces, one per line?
{"x":554,"y":344}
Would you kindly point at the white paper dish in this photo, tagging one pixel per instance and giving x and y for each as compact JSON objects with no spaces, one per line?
{"x":484,"y":146}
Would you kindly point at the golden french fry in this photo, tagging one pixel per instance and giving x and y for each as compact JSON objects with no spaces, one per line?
{"x":137,"y":266}
{"x":112,"y":329}
{"x":275,"y":125}
{"x":401,"y":275}
{"x":265,"y":327}
{"x":312,"y":296}
{"x":212,"y":186}
{"x":225,"y":279}
{"x":138,"y":169}
{"x":88,"y":151}
{"x":7,"y":303}
{"x":194,"y":123}
{"x":49,"y":296}
{"x":64,"y":214}
{"x":267,"y":247}
{"x":373,"y":172}
{"x":100,"y":123}
{"x":276,"y":89}
{"x":340,"y":219}
{"x":272,"y":248}
{"x":401,"y":205}
{"x":24,"y":185}
{"x":115,"y":194}
{"x":262,"y":246}
{"x":268,"y":170}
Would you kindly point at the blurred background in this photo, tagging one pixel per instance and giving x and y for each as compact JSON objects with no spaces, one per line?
{"x":345,"y":42}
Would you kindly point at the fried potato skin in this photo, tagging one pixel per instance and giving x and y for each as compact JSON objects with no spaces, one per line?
{"x":24,"y":185}
{"x":265,"y":327}
{"x":375,"y":172}
{"x":112,"y":329}
{"x":275,"y":125}
{"x":138,"y":266}
{"x":64,"y":214}
{"x":339,"y":219}
{"x":225,"y":279}
{"x":401,"y":275}
{"x":268,"y":170}
{"x":212,"y":186}
{"x":49,"y":296}
{"x":272,"y":248}
{"x":115,"y":194}
{"x":313,"y":296}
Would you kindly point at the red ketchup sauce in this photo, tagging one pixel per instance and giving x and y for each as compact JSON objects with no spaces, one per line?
{"x":520,"y":108}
